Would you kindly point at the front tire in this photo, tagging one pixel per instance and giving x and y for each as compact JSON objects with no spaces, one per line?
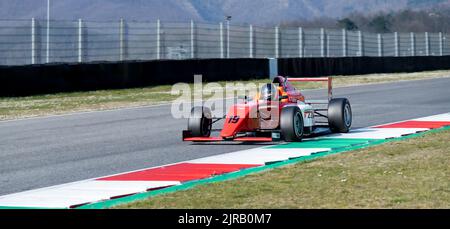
{"x":291,"y":124}
{"x":200,"y":122}
{"x":340,"y":115}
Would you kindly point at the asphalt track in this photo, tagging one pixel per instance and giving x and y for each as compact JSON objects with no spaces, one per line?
{"x":41,"y":152}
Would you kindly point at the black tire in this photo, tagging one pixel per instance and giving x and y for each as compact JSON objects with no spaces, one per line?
{"x":200,"y":122}
{"x":340,"y":115}
{"x":291,"y":124}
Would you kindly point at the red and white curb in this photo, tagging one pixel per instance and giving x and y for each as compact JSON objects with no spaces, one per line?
{"x":78,"y":193}
{"x":259,"y":156}
{"x":378,"y":133}
{"x":105,"y":188}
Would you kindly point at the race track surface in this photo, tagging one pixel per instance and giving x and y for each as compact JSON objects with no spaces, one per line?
{"x":42,"y":152}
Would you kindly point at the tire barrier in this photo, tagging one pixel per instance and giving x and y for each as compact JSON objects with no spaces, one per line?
{"x":315,"y":67}
{"x":55,"y":78}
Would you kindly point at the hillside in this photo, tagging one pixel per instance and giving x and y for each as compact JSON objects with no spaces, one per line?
{"x":243,"y":11}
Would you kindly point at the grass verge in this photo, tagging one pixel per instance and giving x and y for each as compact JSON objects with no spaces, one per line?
{"x":406,"y":174}
{"x":63,"y":103}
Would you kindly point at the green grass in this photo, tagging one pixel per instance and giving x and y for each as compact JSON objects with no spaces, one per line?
{"x":406,"y":174}
{"x":63,"y":103}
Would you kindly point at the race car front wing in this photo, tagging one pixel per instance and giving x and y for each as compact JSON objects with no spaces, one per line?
{"x":187,"y":137}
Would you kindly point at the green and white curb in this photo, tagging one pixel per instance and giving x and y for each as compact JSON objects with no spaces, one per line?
{"x":124,"y":188}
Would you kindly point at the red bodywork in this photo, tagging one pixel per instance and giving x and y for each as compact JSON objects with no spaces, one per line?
{"x":238,"y":120}
{"x":245,"y":117}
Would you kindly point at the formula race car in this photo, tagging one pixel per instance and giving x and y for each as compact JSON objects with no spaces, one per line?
{"x":278,"y":112}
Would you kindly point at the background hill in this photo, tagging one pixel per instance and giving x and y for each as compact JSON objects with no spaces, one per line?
{"x":243,"y":11}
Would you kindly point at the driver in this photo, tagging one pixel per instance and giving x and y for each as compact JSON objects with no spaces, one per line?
{"x":270,"y":92}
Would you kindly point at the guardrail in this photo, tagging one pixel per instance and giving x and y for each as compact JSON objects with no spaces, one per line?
{"x":24,"y":42}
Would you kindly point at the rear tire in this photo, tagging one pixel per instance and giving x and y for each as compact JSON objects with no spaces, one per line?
{"x":200,"y":122}
{"x":340,"y":115}
{"x":291,"y":124}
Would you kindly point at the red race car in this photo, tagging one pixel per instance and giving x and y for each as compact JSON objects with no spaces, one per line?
{"x":278,"y":112}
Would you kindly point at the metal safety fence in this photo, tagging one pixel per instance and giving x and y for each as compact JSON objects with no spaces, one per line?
{"x":34,"y":41}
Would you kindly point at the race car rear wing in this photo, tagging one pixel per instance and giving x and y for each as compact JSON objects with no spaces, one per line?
{"x":322,"y":79}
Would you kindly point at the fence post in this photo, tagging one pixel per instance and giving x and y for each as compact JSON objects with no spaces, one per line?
{"x":344,"y":42}
{"x":80,"y":40}
{"x":413,"y":44}
{"x":397,"y":53}
{"x":300,"y":42}
{"x":322,"y":42}
{"x":427,"y":44}
{"x":47,"y":48}
{"x":158,"y":39}
{"x":192,"y":39}
{"x":277,"y":42}
{"x":441,"y":44}
{"x":360,"y":43}
{"x":121,"y":39}
{"x":327,"y":40}
{"x":251,"y":41}
{"x":33,"y":41}
{"x":380,"y":45}
{"x":228,"y":38}
{"x":221,"y":45}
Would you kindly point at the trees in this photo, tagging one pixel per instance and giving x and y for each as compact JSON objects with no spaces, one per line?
{"x":347,"y":24}
{"x":380,"y":24}
{"x":434,"y":20}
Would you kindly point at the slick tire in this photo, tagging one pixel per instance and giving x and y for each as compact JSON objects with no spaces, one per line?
{"x":200,"y":122}
{"x":291,"y":124}
{"x":340,"y":115}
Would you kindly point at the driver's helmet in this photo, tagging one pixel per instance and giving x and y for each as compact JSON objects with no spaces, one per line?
{"x":269,"y":92}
